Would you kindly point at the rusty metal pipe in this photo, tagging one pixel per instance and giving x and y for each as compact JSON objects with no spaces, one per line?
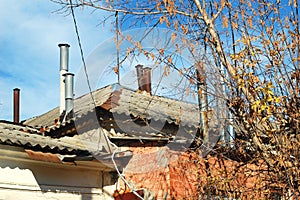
{"x":16,"y":105}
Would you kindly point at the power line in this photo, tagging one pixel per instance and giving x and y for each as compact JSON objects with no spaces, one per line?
{"x":81,"y":53}
{"x":90,"y":91}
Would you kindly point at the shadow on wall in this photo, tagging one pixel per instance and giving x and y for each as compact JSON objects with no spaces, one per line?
{"x":24,"y":180}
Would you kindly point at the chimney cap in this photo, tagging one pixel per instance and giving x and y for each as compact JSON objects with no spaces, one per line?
{"x":17,"y":89}
{"x":63,"y":44}
{"x":139,"y":66}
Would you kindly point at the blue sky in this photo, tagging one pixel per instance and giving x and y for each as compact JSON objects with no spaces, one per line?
{"x":29,"y":55}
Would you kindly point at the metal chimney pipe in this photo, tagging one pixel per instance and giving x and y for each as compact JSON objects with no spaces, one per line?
{"x":139,"y":72}
{"x":16,"y":105}
{"x":64,"y":68}
{"x":64,"y":56}
{"x":69,"y":95}
{"x":147,"y":79}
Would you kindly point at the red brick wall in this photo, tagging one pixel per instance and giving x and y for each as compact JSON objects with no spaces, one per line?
{"x":167,"y":174}
{"x":181,"y":175}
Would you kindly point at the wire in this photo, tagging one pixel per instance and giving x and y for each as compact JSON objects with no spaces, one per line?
{"x":81,"y":53}
{"x":116,"y":166}
{"x":90,"y":91}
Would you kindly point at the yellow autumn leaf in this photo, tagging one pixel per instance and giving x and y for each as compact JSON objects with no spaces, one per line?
{"x":180,"y":72}
{"x":270,"y":92}
{"x":129,"y":38}
{"x":263,"y":106}
{"x":265,"y":118}
{"x":158,"y":6}
{"x":236,"y":15}
{"x":139,"y":46}
{"x":243,"y":14}
{"x":173,"y":37}
{"x":200,"y":92}
{"x":216,"y":5}
{"x":222,"y":3}
{"x":176,"y":25}
{"x":192,"y":80}
{"x":244,"y":40}
{"x":254,"y":107}
{"x":166,"y":70}
{"x":269,"y":98}
{"x":116,"y":70}
{"x":224,"y":21}
{"x":167,"y":23}
{"x":233,"y":56}
{"x":187,"y":90}
{"x":161,"y":52}
{"x":152,"y":55}
{"x":277,"y":99}
{"x":161,"y":19}
{"x":184,"y":41}
{"x":255,"y":104}
{"x":235,"y":25}
{"x":250,"y":21}
{"x":270,"y":85}
{"x":169,"y":59}
{"x":128,"y":52}
{"x":184,"y":29}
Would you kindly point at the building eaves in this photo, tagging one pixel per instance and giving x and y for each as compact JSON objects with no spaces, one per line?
{"x":15,"y":135}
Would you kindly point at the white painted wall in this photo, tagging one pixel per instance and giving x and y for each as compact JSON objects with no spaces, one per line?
{"x":23,"y":179}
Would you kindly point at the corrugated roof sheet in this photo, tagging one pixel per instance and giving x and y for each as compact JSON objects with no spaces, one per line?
{"x":82,"y":106}
{"x":120,"y":100}
{"x":45,"y":119}
{"x":16,"y":135}
{"x":157,"y":108}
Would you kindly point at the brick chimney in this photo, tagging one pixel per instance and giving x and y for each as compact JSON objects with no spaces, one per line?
{"x":144,"y":78}
{"x":147,"y":79}
{"x":139,"y":72}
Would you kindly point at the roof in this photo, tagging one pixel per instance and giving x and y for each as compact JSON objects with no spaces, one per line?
{"x":84,"y":147}
{"x":17,"y":135}
{"x":121,"y":100}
